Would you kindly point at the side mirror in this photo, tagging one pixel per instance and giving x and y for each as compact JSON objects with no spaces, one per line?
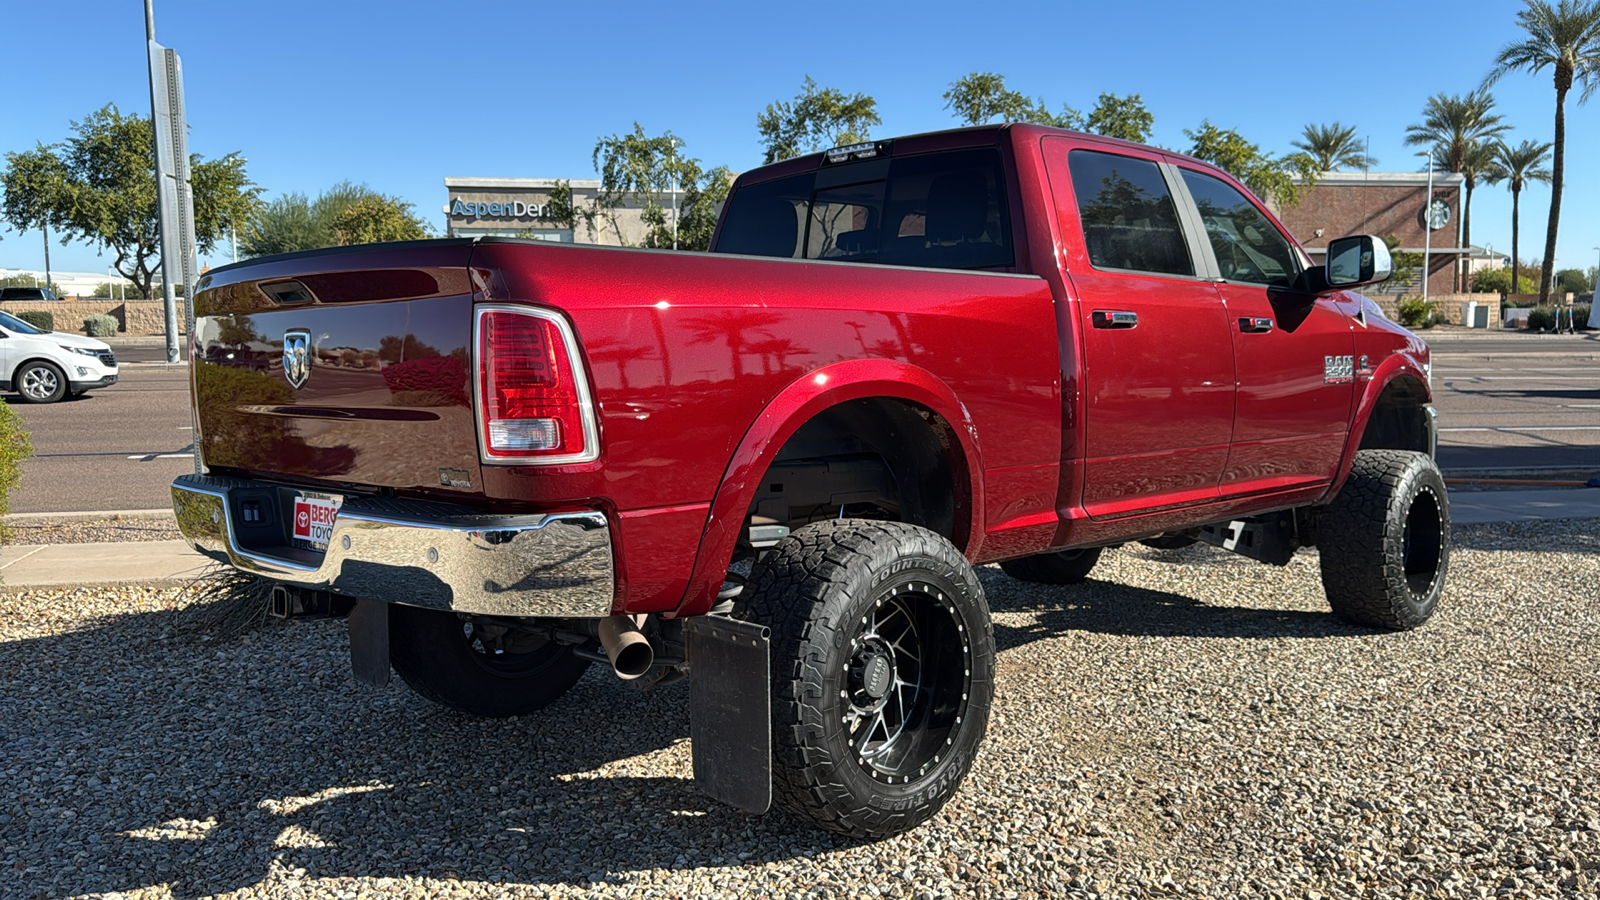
{"x":1358,"y":260}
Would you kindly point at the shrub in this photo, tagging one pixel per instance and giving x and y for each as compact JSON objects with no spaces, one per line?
{"x":1542,"y":318}
{"x":14,"y":448}
{"x":1415,"y":312}
{"x":1580,"y":316}
{"x":39,"y":318}
{"x":100,"y":326}
{"x":1492,"y":281}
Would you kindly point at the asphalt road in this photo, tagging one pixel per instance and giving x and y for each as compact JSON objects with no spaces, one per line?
{"x":115,"y":448}
{"x":1518,"y":403}
{"x":1505,"y":404}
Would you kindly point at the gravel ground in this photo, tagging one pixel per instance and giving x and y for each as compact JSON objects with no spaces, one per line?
{"x":1187,"y":723}
{"x":90,"y":531}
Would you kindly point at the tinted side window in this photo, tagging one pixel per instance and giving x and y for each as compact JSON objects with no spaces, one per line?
{"x":1129,"y":219}
{"x":1247,"y":246}
{"x":933,"y":210}
{"x":947,"y":211}
{"x":765,"y":219}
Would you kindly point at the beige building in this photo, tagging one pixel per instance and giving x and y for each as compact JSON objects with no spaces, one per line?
{"x":519,"y":207}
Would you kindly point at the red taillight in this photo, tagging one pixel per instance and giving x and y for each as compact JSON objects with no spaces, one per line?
{"x":534,"y":404}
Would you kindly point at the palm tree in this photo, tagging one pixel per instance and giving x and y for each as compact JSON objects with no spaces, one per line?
{"x":1565,"y":38}
{"x":1334,"y":147}
{"x":1479,"y":159}
{"x":1522,"y":164}
{"x":1451,"y":124}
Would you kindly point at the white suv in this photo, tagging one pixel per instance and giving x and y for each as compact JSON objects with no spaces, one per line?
{"x":46,"y":366}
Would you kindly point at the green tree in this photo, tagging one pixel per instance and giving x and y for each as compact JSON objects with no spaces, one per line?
{"x":292,"y":223}
{"x":1120,"y":117}
{"x":646,"y":168}
{"x":1564,"y":38}
{"x":1522,"y":164}
{"x":1334,"y":147}
{"x":815,"y":120}
{"x":564,"y":209}
{"x":1271,"y":177}
{"x":372,"y":221}
{"x":29,"y":281}
{"x":654,"y":172}
{"x":1576,"y":281}
{"x":285,"y":225}
{"x":697,"y":210}
{"x":1407,"y":267}
{"x":981,"y":97}
{"x":99,"y":186}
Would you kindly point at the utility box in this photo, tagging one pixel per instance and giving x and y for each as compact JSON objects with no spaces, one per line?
{"x":1474,"y":315}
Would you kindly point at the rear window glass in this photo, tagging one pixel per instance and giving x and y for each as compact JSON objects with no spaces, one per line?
{"x":934,"y":210}
{"x":1129,"y":219}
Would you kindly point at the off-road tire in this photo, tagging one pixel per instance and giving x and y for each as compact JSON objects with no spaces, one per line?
{"x":433,"y":652}
{"x":1055,"y":567}
{"x":40,"y":382}
{"x":1385,"y":541}
{"x":832,"y":593}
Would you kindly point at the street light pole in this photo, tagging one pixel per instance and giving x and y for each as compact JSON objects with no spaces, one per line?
{"x":1427,"y":228}
{"x":45,"y":227}
{"x":672,"y":154}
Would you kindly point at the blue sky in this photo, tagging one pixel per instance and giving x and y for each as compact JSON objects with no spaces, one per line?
{"x":399,"y":95}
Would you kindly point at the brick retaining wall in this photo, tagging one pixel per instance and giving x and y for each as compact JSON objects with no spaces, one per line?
{"x":134,"y":317}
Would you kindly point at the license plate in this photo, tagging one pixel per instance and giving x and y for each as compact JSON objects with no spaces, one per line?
{"x":313,"y":519}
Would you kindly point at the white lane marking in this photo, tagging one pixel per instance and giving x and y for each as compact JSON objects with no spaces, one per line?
{"x":146,"y":457}
{"x":1514,"y":429}
{"x":1581,"y":405}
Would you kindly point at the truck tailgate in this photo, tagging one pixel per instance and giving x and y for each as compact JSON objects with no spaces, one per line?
{"x":350,"y":366}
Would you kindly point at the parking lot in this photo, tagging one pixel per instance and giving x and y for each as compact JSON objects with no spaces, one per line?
{"x":1186,"y":723}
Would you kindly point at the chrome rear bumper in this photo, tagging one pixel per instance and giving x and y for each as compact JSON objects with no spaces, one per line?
{"x":432,"y":555}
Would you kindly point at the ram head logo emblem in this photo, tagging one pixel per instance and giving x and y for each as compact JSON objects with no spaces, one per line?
{"x":297,"y":357}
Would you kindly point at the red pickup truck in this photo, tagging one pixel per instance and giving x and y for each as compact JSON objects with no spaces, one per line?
{"x":773,"y":467}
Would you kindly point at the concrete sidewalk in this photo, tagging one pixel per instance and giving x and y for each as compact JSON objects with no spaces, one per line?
{"x":108,"y":563}
{"x":30,"y":565}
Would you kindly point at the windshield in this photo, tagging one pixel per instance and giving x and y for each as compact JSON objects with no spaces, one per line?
{"x":942,"y":210}
{"x":12,"y":323}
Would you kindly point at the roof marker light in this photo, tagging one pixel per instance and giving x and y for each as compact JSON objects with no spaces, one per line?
{"x":853,"y":151}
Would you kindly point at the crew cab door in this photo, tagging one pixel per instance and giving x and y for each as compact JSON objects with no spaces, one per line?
{"x":1158,"y":378}
{"x":1292,"y":351}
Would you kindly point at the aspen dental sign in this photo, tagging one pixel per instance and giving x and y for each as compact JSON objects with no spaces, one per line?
{"x":515,"y":209}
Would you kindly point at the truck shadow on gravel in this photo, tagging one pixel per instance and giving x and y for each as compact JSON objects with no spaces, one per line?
{"x":210,"y":767}
{"x":1106,"y":607}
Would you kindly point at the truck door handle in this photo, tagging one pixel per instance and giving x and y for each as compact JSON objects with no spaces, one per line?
{"x":1254,"y":326}
{"x":1111,"y":318}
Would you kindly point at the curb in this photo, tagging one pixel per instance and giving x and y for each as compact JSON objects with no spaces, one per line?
{"x":87,"y":515}
{"x":1554,"y":472}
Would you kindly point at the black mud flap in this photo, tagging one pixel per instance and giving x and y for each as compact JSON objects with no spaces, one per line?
{"x":730,"y":710}
{"x":369,"y":642}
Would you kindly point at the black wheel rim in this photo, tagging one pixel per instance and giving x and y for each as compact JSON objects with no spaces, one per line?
{"x":1423,"y":548}
{"x":906,"y":683}
{"x":507,"y":663}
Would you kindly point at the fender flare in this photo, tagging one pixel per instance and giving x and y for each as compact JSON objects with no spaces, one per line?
{"x":1389,"y":371}
{"x":799,"y":402}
